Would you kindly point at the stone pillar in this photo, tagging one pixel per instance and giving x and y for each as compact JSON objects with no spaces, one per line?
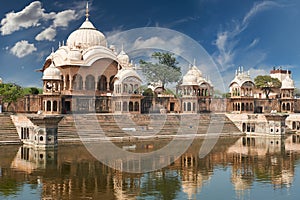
{"x":96,"y":83}
{"x":71,"y":83}
{"x":83,"y":83}
{"x":65,"y":84}
{"x":45,"y":131}
{"x":51,"y":106}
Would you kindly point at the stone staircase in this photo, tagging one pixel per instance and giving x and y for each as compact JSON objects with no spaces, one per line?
{"x":67,"y":129}
{"x":95,"y":126}
{"x":8,"y":132}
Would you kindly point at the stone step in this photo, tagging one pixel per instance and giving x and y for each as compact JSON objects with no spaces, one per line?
{"x":170,"y":125}
{"x":8,"y":132}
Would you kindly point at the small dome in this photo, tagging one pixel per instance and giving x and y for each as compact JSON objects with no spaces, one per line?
{"x":189,"y":79}
{"x":288,"y":83}
{"x":123,"y":58}
{"x":241,"y":77}
{"x":86,"y":36}
{"x":192,"y":77}
{"x":74,"y":54}
{"x":125,"y":73}
{"x":52,"y":73}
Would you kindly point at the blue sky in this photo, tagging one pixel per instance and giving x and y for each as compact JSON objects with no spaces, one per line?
{"x":255,"y":34}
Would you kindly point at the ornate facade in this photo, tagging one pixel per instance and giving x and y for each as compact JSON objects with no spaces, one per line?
{"x":242,"y":92}
{"x":81,"y":76}
{"x":245,"y":97}
{"x":86,"y":75}
{"x":196,"y":92}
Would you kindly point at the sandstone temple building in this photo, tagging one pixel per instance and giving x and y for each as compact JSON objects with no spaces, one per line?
{"x":86,"y":75}
{"x":89,"y":75}
{"x":245,"y":97}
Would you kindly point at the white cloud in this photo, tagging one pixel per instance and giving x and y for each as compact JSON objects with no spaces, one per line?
{"x":22,"y":48}
{"x":62,"y":19}
{"x":256,"y":72}
{"x":30,"y":16}
{"x":227,"y":40}
{"x":258,"y":7}
{"x":47,"y":34}
{"x":253,"y":43}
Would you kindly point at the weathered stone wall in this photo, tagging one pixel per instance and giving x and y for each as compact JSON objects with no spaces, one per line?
{"x":218,"y":105}
{"x":267,"y":105}
{"x":297,"y":106}
{"x":29,"y":104}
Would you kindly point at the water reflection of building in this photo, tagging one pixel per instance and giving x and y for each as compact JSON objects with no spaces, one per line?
{"x":29,"y":159}
{"x":69,"y":175}
{"x":260,"y":159}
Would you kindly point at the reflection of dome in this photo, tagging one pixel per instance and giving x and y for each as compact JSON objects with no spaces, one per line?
{"x":52,"y":73}
{"x":86,"y":36}
{"x":288,"y":83}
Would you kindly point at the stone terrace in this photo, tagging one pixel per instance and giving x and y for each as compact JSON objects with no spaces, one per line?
{"x":93,"y":127}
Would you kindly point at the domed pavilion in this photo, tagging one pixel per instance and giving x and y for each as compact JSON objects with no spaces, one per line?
{"x":196,"y":92}
{"x":82,"y":72}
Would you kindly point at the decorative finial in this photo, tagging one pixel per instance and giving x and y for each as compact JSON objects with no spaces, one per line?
{"x":87,"y":11}
{"x":236,"y":72}
{"x":194,"y":62}
{"x":122,"y":46}
{"x":52,"y":49}
{"x":59,"y":44}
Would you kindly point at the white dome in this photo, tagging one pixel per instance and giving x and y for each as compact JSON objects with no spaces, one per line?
{"x":75,"y":54}
{"x":240,"y":78}
{"x":125,"y":73}
{"x":52,"y":73}
{"x":86,"y":36}
{"x":189,"y":79}
{"x":123,"y":58}
{"x":288,"y":83}
{"x":192,"y":77}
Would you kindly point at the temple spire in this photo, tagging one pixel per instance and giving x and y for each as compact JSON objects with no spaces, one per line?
{"x":87,"y":11}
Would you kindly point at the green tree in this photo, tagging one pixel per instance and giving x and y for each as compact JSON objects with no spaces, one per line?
{"x":31,"y":90}
{"x":164,"y":70}
{"x":10,"y":92}
{"x":267,"y":84}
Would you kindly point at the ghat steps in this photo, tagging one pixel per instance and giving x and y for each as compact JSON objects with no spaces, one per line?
{"x":8,"y":132}
{"x":95,"y":126}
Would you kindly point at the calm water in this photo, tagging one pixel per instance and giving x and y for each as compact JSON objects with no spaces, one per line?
{"x":237,"y":168}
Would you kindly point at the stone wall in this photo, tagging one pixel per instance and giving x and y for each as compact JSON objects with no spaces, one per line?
{"x":218,"y":105}
{"x":21,"y":121}
{"x":267,"y":105}
{"x":29,"y":104}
